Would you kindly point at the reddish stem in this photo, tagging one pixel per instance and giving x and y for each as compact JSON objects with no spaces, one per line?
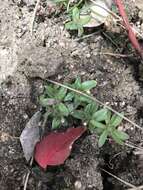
{"x":127,"y":25}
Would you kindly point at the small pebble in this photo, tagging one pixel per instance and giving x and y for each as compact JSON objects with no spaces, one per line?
{"x":77,"y":185}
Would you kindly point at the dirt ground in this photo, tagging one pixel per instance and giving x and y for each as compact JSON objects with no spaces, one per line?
{"x":52,"y":52}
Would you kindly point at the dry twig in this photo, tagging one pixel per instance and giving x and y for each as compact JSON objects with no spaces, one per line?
{"x":34,"y":15}
{"x":119,"y":179}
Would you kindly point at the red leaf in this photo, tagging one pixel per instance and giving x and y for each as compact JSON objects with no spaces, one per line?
{"x":54,"y":148}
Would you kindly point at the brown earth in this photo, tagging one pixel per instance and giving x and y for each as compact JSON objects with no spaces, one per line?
{"x":51,"y":51}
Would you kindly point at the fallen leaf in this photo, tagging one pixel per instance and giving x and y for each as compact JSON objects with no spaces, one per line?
{"x":54,"y":148}
{"x":30,"y":135}
{"x":98,"y":12}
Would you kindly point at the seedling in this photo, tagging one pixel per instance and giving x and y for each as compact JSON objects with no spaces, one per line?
{"x":61,"y":105}
{"x":76,"y":22}
{"x":82,"y":13}
{"x":109,"y":129}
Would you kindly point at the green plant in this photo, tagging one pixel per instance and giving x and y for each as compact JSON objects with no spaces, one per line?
{"x":84,"y":14}
{"x":109,"y":129}
{"x":76,"y":22}
{"x":73,"y":11}
{"x":61,"y":105}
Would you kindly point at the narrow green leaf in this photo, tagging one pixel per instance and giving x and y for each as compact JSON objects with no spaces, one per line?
{"x":108,"y":117}
{"x":75,"y":14}
{"x":98,"y":131}
{"x":46,"y":101}
{"x":100,"y":115}
{"x":84,"y":99}
{"x":95,"y":130}
{"x":77,"y":83}
{"x":103,"y":138}
{"x":70,"y":107}
{"x":121,"y":135}
{"x":116,"y":139}
{"x":98,"y":124}
{"x":76,"y":101}
{"x":88,"y":85}
{"x":50,"y":91}
{"x":69,"y":97}
{"x":43,"y":100}
{"x":61,"y":93}
{"x":63,"y":109}
{"x":91,"y":108}
{"x":71,"y":25}
{"x":78,"y":114}
{"x":56,"y":123}
{"x":116,"y":120}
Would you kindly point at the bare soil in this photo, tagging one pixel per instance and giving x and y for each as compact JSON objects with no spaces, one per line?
{"x":51,"y":52}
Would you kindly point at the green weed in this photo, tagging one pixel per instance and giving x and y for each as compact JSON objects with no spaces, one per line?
{"x":76,"y":22}
{"x":61,"y":105}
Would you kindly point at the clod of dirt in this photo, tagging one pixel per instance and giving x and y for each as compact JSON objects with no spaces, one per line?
{"x":19,"y":51}
{"x":39,"y":61}
{"x":84,"y":165}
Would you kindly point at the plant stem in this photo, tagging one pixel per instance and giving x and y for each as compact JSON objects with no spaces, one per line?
{"x":128,"y":27}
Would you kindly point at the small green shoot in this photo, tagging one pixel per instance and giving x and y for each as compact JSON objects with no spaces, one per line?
{"x":108,"y":128}
{"x":76,"y":22}
{"x":62,"y":105}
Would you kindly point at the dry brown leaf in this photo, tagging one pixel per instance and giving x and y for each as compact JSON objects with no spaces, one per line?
{"x":30,"y":135}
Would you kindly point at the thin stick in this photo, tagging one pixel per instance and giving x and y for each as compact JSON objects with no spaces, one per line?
{"x":115,"y":54}
{"x":27,"y":176}
{"x":86,"y":36}
{"x":129,"y":144}
{"x":34,"y":15}
{"x":109,"y":38}
{"x":119,"y":179}
{"x":98,"y":101}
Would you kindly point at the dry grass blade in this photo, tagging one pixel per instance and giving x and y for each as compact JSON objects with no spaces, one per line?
{"x":129,"y":144}
{"x":98,"y":101}
{"x":34,"y":15}
{"x":119,"y":179}
{"x":117,"y":55}
{"x":27,"y":175}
